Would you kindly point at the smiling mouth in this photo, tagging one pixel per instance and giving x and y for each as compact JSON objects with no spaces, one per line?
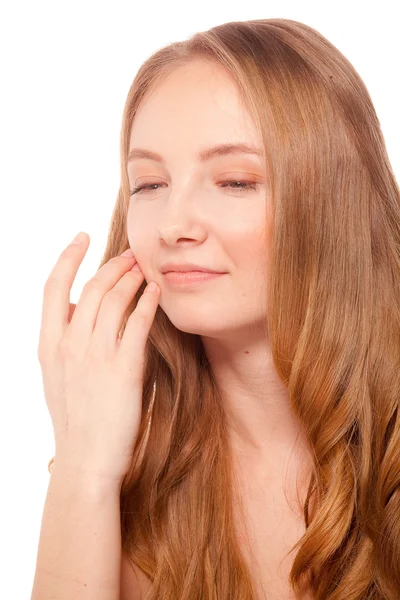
{"x":188,"y":277}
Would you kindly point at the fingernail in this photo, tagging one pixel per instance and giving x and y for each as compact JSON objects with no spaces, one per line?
{"x":79,"y":238}
{"x":127,"y":253}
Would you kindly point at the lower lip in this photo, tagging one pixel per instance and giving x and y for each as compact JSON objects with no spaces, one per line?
{"x":180,"y":278}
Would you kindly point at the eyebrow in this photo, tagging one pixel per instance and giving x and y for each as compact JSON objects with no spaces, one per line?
{"x":204,"y":155}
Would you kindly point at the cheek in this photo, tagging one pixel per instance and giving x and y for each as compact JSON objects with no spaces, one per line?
{"x":250,"y":245}
{"x":140,"y":229}
{"x":139,"y":242}
{"x":252,"y":260}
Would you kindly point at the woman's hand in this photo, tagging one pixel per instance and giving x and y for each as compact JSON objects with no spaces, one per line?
{"x":92,"y":377}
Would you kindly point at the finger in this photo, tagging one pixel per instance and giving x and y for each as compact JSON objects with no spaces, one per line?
{"x":133,"y":342}
{"x":112,"y":312}
{"x":86,"y":312}
{"x":56,"y":295}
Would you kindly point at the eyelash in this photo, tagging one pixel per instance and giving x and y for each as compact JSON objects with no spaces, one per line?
{"x":249,"y":185}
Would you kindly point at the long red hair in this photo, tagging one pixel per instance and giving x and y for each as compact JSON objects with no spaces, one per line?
{"x":333,"y":324}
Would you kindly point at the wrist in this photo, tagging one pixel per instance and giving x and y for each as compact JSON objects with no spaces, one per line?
{"x":85,"y":475}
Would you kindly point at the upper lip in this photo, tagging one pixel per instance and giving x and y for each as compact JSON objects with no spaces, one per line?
{"x":186,"y":267}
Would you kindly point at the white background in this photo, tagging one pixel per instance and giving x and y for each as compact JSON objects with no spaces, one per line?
{"x":66,"y":68}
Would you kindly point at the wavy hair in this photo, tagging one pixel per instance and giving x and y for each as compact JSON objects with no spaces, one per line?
{"x":333,"y":322}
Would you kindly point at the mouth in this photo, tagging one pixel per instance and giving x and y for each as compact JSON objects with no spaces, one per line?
{"x":190,"y":277}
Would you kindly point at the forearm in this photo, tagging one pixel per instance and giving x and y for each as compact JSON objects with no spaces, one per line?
{"x":79,"y":552}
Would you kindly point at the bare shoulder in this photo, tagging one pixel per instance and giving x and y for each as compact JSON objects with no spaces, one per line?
{"x":134,"y":582}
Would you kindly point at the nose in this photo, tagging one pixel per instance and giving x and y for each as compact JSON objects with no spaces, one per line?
{"x":181,"y":219}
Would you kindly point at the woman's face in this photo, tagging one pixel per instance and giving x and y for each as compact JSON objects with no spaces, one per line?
{"x":192,"y":214}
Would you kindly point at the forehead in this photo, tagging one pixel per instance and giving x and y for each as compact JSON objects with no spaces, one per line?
{"x":195,"y":106}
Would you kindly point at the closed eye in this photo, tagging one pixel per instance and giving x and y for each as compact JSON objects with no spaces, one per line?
{"x":243,"y":186}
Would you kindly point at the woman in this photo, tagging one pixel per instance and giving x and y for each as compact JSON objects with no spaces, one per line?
{"x":266,"y":461}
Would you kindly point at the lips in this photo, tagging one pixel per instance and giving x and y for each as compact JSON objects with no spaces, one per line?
{"x":186,"y":267}
{"x":190,"y":277}
{"x":198,"y":270}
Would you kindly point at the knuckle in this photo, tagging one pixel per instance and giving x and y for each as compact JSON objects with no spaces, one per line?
{"x":115,"y":296}
{"x":134,"y":274}
{"x":96,"y":355}
{"x":132,"y":278}
{"x":93,"y":285}
{"x":66,"y":347}
{"x":127,"y":279}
